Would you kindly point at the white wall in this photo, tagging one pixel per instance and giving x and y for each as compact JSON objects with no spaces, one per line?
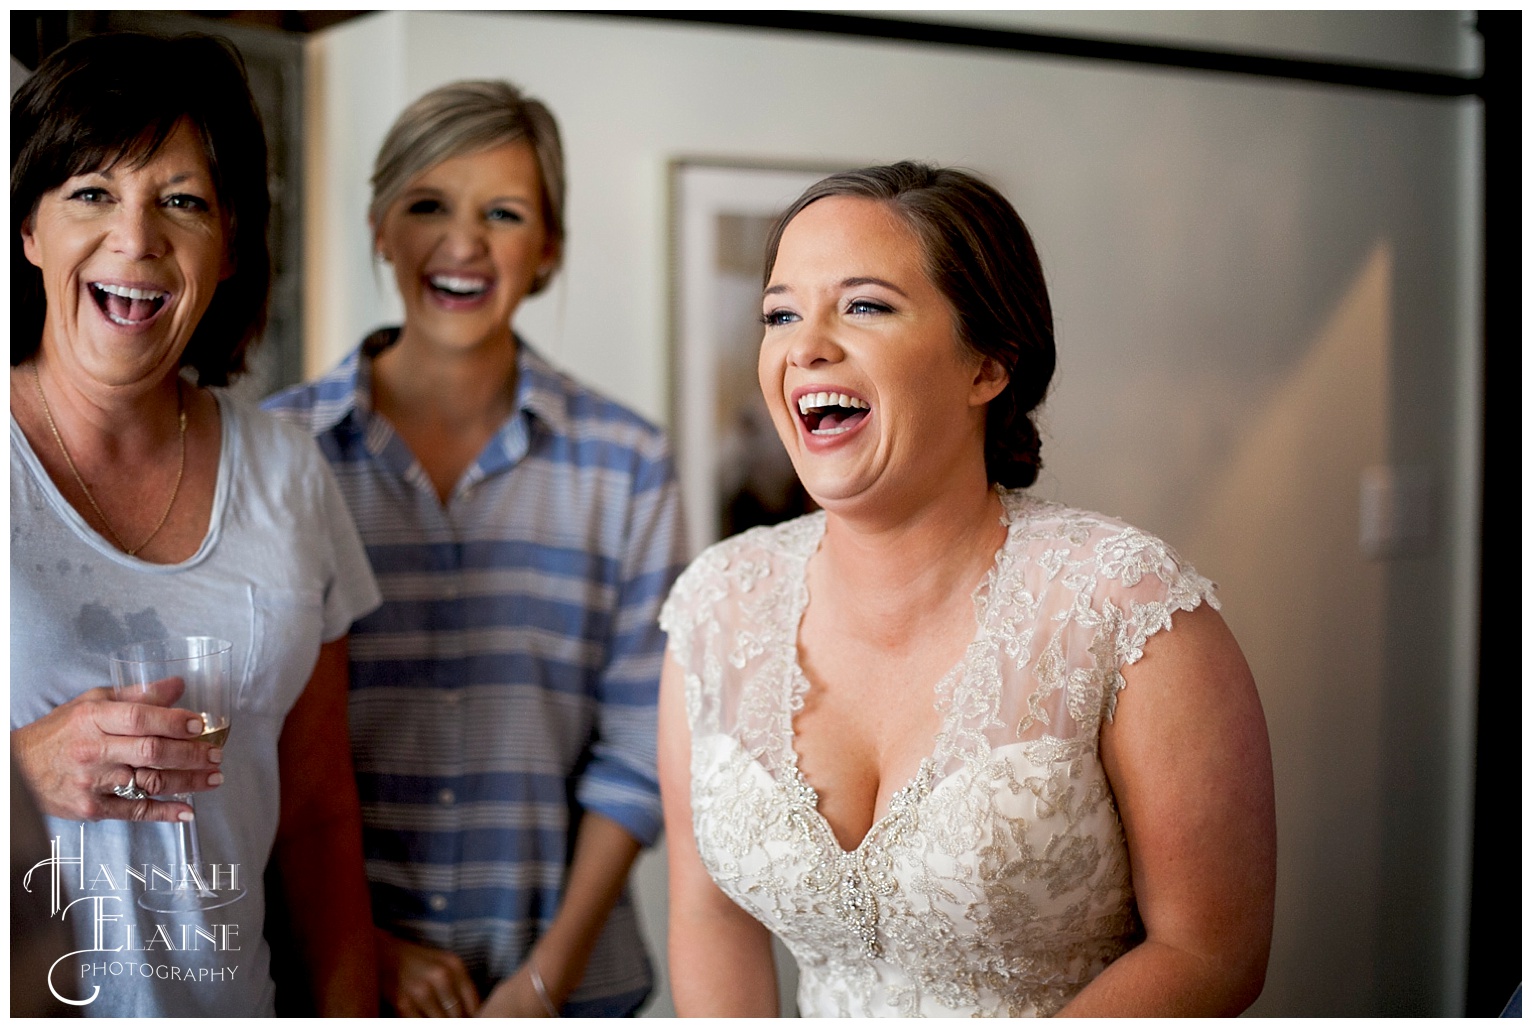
{"x":1262,"y":290}
{"x":1404,"y":39}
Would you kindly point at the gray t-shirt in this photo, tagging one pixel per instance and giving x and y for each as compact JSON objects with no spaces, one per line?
{"x":281,"y":571}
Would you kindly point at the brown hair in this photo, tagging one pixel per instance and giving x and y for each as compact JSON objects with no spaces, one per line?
{"x":467,"y":117}
{"x":980,"y":255}
{"x":117,"y":97}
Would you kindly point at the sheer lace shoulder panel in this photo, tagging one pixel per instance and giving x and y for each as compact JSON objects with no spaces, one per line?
{"x":1076,"y":596}
{"x":732,"y":619}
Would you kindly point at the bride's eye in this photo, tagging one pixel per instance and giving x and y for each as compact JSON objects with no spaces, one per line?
{"x":867,"y":307}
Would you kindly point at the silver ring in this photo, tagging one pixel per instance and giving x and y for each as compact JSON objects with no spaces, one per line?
{"x":131,"y":791}
{"x":449,"y":1006}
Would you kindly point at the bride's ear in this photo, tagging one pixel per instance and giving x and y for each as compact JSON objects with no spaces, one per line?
{"x":989,"y":381}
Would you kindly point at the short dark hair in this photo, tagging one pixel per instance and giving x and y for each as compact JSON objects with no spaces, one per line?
{"x":463,"y":118}
{"x":117,"y":97}
{"x":980,"y":255}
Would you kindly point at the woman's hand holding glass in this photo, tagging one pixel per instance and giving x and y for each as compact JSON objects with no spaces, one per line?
{"x":77,"y":757}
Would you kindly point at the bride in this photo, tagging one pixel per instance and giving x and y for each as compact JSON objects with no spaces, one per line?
{"x":962,"y":750}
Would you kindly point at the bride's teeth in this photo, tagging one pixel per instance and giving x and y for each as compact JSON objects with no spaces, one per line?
{"x":129,"y":293}
{"x":810,"y":401}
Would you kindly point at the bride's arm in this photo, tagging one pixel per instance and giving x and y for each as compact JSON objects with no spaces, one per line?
{"x":720,"y":956}
{"x":1190,"y":765}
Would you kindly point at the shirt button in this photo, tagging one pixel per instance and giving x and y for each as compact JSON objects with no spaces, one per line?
{"x":446,"y":796}
{"x":438,"y":903}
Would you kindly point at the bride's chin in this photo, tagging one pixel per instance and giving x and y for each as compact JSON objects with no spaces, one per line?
{"x":840,"y":497}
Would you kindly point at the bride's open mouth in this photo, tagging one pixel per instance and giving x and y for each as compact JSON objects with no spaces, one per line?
{"x":831,"y":413}
{"x":127,"y":305}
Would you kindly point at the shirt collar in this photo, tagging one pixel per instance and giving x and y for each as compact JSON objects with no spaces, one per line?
{"x":539,"y":387}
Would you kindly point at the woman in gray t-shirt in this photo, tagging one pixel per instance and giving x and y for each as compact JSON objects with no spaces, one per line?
{"x":146,"y":507}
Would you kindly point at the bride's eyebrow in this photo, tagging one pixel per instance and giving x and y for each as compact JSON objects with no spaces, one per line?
{"x":852,"y":283}
{"x":846,"y":283}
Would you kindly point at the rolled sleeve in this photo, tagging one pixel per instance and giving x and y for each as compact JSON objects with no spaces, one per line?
{"x":621,"y":781}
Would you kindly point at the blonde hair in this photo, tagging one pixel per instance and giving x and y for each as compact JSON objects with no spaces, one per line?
{"x":467,"y":117}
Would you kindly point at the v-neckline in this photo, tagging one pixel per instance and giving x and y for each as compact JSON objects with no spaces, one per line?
{"x":921,"y":782}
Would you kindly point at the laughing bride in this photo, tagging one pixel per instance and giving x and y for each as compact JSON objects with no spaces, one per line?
{"x":964,"y":751}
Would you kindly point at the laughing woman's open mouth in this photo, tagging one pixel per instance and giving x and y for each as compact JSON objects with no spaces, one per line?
{"x":828,"y":414}
{"x":126,"y":305}
{"x":458,"y":287}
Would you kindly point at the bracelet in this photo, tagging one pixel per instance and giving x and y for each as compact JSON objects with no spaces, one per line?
{"x":541,"y":989}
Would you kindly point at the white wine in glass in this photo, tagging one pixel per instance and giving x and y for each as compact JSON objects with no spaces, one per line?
{"x":203,"y":665}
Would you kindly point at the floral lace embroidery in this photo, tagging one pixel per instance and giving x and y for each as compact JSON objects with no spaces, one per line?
{"x":998,"y":882}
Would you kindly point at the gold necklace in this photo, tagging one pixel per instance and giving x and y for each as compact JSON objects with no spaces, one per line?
{"x":180,"y":469}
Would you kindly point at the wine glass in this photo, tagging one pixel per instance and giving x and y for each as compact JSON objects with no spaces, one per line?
{"x":203,"y":664}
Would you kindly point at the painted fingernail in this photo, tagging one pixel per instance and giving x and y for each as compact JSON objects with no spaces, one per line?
{"x":186,"y":815}
{"x":215,"y":755}
{"x":194,"y":726}
{"x":216,"y":778}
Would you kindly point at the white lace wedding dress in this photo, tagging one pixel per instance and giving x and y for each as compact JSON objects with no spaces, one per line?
{"x":998,"y":881}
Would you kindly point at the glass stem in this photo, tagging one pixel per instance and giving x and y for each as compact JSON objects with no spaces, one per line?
{"x":191,"y":853}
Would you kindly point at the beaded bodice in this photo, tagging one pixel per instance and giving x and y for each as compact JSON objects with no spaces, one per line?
{"x":998,"y":880}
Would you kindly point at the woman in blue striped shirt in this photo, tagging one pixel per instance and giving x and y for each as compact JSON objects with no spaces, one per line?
{"x":524,"y":532}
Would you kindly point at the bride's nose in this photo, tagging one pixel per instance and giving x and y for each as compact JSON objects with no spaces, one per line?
{"x":813,"y":344}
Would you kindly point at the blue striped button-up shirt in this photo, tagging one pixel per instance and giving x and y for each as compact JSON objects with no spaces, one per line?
{"x":509,"y":679}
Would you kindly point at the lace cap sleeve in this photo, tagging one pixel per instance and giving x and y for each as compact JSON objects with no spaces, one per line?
{"x":688,"y":620}
{"x":679,"y":613}
{"x":1072,"y":601}
{"x":1141,"y":583}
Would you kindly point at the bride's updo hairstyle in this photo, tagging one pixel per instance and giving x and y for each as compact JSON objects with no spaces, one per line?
{"x":980,"y":256}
